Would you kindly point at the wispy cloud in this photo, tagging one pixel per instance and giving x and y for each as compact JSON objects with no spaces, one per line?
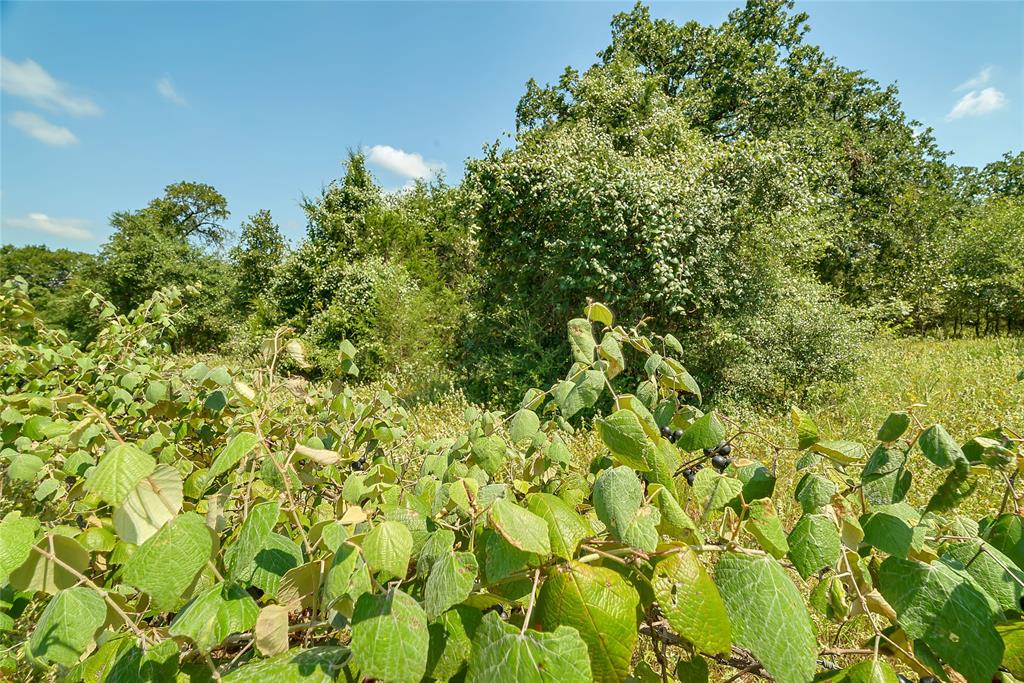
{"x":69,"y":228}
{"x":41,"y":129}
{"x":400,"y":162}
{"x":168,"y":92}
{"x":31,"y":81}
{"x":977,"y":103}
{"x":976,"y":81}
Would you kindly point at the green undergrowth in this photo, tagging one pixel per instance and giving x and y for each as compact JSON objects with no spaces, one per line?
{"x":171,"y":519}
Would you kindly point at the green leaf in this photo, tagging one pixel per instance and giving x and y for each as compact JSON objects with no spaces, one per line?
{"x":24,"y":467}
{"x":566,"y":527}
{"x":278,"y":556}
{"x":939,"y":447}
{"x":214,"y":614}
{"x":885,"y":477}
{"x":946,"y":610}
{"x":994,"y":572}
{"x":601,"y":606}
{"x":1006,"y":534}
{"x":271,"y":630}
{"x":451,"y":642}
{"x":690,"y":601}
{"x":501,"y":654}
{"x":893,"y":529}
{"x":600,"y":313}
{"x":39,"y":573}
{"x":813,"y":544}
{"x":66,"y":627}
{"x":705,"y":432}
{"x":674,"y":520}
{"x":581,"y":339}
{"x":525,"y":426}
{"x":388,"y":548}
{"x":156,"y":499}
{"x":237,"y":448}
{"x":713,"y":491}
{"x":167,"y":563}
{"x":16,"y":536}
{"x":618,"y":496}
{"x":316,"y":665}
{"x":893,"y":427}
{"x":693,"y":670}
{"x":118,"y":473}
{"x":958,"y":485}
{"x":768,"y":615}
{"x":501,"y":558}
{"x":582,"y":392}
{"x":814,"y":492}
{"x":625,"y":437}
{"x":806,"y":430}
{"x":764,"y":525}
{"x":843,"y":452}
{"x":450,"y":582}
{"x":490,"y":453}
{"x":252,"y":537}
{"x":611,"y":351}
{"x":389,"y":637}
{"x":300,"y":587}
{"x":521,"y":528}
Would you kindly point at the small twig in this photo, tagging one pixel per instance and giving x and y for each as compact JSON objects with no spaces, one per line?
{"x":533,"y":597}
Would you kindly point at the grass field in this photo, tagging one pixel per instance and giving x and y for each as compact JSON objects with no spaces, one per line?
{"x":968,"y":385}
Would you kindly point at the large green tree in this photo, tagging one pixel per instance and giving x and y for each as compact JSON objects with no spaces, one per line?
{"x":168,"y":243}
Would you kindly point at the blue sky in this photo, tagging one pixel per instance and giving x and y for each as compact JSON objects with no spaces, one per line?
{"x":103,"y":104}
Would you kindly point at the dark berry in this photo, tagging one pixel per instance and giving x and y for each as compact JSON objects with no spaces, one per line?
{"x":80,"y":521}
{"x":902,"y":679}
{"x":666,"y":432}
{"x":929,"y":679}
{"x":708,"y":452}
{"x":691,"y":474}
{"x":720,"y":462}
{"x":678,"y":434}
{"x":725,"y":450}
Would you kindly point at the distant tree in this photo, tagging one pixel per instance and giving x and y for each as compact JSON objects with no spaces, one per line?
{"x":166,"y":243}
{"x":57,"y":280}
{"x":261,"y":248}
{"x":193,"y":211}
{"x":1005,"y":178}
{"x":879,"y":176}
{"x":336,"y":218}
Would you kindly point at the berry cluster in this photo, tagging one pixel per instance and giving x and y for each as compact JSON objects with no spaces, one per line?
{"x":672,"y":436}
{"x":360,"y":464}
{"x":719,"y":460}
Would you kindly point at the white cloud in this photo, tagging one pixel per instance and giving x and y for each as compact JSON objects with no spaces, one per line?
{"x":976,"y":81}
{"x":41,"y":129}
{"x":407,"y":164}
{"x":31,"y":81}
{"x":70,"y":228}
{"x":167,"y":91}
{"x":977,"y":103}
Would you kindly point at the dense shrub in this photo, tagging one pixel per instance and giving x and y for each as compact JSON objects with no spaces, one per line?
{"x":578,"y":211}
{"x":801,"y":337}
